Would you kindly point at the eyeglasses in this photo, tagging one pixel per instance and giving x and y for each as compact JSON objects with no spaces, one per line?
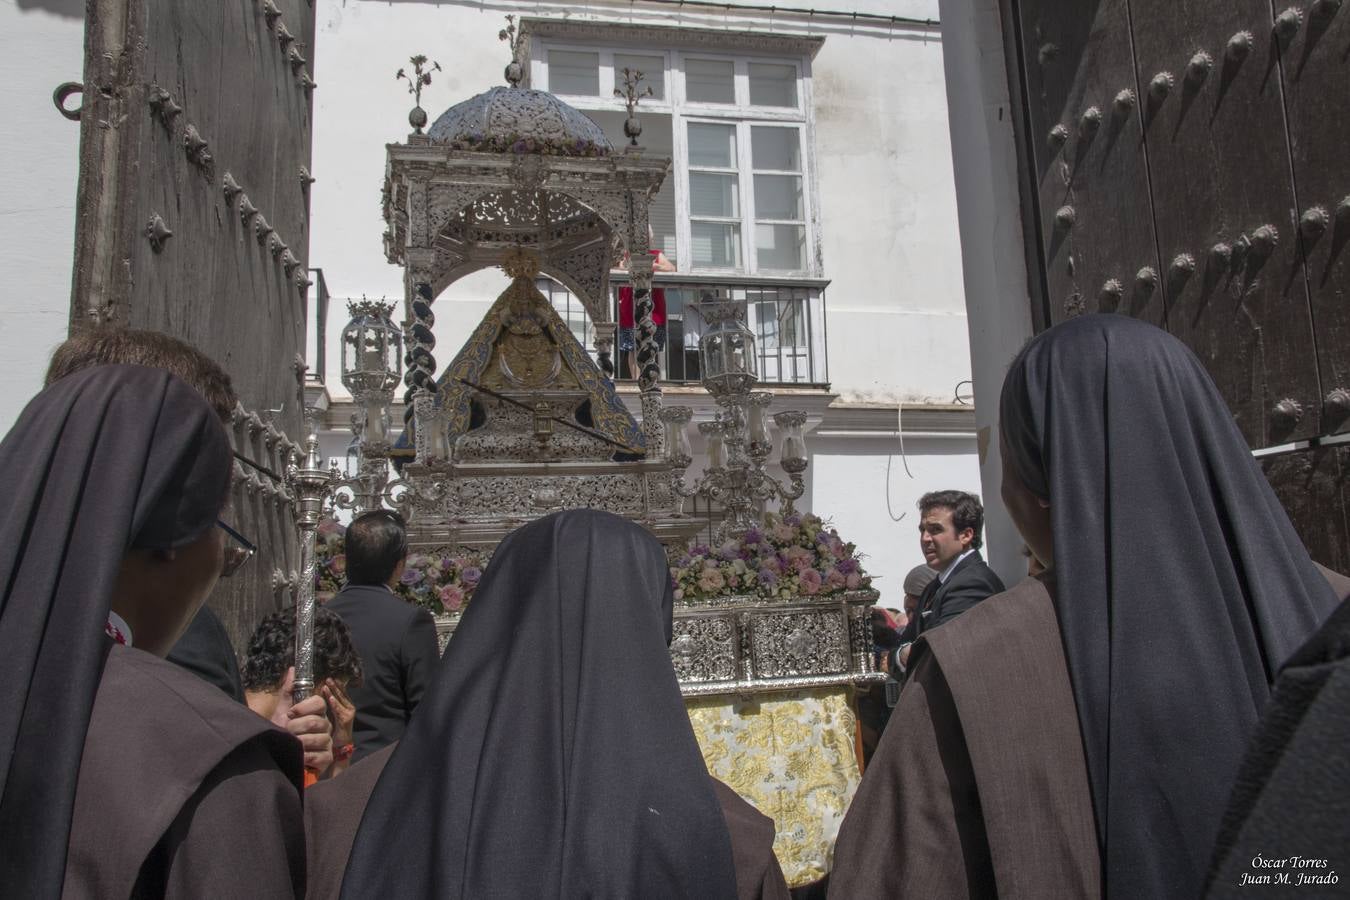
{"x":237,"y":553}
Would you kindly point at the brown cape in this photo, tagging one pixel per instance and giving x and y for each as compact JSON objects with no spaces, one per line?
{"x":182,"y":792}
{"x":333,"y":811}
{"x":979,"y":787}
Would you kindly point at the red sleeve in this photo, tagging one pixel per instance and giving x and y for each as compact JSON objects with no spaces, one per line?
{"x":625,"y":307}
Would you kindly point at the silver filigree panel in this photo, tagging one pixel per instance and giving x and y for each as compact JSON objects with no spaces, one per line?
{"x":788,"y":644}
{"x":516,"y":113}
{"x":704,"y":649}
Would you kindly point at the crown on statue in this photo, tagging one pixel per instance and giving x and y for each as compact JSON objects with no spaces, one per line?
{"x":364,"y":307}
{"x":521,"y":263}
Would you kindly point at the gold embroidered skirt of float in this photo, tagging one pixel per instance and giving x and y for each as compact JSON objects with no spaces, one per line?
{"x":793,"y":756}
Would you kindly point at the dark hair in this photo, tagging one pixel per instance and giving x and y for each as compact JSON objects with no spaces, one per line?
{"x":112,"y":345}
{"x":377,"y":542}
{"x":967,"y":511}
{"x":271,"y":650}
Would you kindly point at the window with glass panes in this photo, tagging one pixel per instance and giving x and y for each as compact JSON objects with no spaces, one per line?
{"x":738,"y":198}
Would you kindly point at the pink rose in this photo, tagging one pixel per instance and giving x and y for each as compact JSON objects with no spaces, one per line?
{"x":452,"y":596}
{"x":784,"y":533}
{"x":802,"y":563}
{"x":852,"y":580}
{"x":810,"y":582}
{"x":338,"y":565}
{"x":835,"y":580}
{"x":710,"y":580}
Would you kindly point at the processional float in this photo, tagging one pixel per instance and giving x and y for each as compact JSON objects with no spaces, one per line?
{"x":523,"y":422}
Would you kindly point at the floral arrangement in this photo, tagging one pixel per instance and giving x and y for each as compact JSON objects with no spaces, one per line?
{"x":514,"y":143}
{"x":791,"y":556}
{"x":440,"y":583}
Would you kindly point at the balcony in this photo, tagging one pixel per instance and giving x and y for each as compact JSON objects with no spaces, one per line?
{"x":788,"y":318}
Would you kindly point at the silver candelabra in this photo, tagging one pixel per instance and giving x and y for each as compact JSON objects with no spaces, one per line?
{"x":738,"y":439}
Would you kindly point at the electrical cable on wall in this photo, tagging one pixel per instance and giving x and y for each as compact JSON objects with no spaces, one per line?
{"x":890,"y":458}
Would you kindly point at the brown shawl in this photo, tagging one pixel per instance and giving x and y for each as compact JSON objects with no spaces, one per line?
{"x":978,"y":788}
{"x":182,"y":792}
{"x":333,"y":811}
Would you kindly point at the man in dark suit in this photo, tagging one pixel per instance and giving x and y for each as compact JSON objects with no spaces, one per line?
{"x":396,"y":639}
{"x":949,"y":535}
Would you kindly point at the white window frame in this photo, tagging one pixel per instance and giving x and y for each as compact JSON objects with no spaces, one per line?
{"x":741,"y":113}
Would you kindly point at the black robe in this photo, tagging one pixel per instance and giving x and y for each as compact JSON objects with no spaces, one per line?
{"x":333,"y":811}
{"x":1292,"y":797}
{"x":979,"y":788}
{"x":552,"y":755}
{"x":1181,"y":586}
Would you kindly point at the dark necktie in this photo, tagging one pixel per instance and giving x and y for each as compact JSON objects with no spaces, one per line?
{"x":926,"y":604}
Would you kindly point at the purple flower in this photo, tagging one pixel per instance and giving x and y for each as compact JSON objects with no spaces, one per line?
{"x":768,"y":577}
{"x":847,"y":565}
{"x":470,"y":575}
{"x":754,"y":536}
{"x":411,"y":577}
{"x":794,"y":520}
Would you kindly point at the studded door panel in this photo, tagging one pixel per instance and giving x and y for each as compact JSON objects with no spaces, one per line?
{"x":1096,"y":217}
{"x":1315,"y":62}
{"x":1220,"y":170}
{"x":193,"y":221}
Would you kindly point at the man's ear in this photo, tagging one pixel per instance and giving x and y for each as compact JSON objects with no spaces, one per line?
{"x":966,"y":536}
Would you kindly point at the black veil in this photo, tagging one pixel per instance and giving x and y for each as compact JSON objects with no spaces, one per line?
{"x":1181,"y":585}
{"x":103,"y":460}
{"x":553,"y":755}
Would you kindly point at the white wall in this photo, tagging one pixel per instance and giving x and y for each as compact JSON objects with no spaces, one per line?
{"x":896,"y":306}
{"x":890,"y":244}
{"x":40,"y":150}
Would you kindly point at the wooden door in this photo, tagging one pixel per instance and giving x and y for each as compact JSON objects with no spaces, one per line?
{"x":1217,"y":205}
{"x":193,"y":220}
{"x":1095,"y":210}
{"x":1315,"y":67}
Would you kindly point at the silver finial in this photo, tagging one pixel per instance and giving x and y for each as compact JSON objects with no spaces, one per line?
{"x":420,"y":78}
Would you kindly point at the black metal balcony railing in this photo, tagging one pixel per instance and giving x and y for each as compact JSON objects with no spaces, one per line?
{"x":788,"y":321}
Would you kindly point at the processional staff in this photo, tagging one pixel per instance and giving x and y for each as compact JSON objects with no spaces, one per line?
{"x":309,"y":483}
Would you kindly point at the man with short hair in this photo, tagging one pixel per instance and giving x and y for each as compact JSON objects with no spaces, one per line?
{"x":949,"y":536}
{"x":396,"y":640}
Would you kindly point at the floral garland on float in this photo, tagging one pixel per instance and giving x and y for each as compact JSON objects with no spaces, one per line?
{"x":514,"y":143}
{"x":790,"y":556}
{"x":441,"y":583}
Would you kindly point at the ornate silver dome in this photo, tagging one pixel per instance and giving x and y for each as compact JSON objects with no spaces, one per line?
{"x":521,"y":120}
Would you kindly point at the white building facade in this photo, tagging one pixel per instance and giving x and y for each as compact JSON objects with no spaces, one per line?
{"x":811,"y":175}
